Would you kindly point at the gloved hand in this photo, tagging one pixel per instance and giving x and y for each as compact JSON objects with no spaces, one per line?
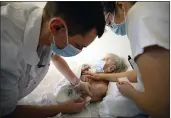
{"x":73,"y":106}
{"x":84,"y":87}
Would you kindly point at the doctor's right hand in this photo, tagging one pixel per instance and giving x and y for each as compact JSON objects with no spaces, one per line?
{"x":73,"y":106}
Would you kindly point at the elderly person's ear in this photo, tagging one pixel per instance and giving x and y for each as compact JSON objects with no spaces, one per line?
{"x":110,"y":69}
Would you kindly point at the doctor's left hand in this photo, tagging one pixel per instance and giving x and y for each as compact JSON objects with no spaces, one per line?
{"x":126,"y":89}
{"x":84,"y":86}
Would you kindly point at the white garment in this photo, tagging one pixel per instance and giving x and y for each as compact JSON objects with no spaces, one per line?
{"x":114,"y":104}
{"x":20,"y":75}
{"x":147,"y":24}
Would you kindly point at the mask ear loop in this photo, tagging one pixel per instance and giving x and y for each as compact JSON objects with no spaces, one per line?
{"x":53,"y":40}
{"x":66,"y":34}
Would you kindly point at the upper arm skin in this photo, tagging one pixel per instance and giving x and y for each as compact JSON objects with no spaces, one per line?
{"x":154,"y":68}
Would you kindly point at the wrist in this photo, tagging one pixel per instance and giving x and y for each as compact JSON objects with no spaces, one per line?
{"x":62,"y":108}
{"x":103,"y":76}
{"x":75,"y":81}
{"x":134,"y":94}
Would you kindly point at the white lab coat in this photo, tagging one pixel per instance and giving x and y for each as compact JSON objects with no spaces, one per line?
{"x":147,"y":24}
{"x":20,"y":74}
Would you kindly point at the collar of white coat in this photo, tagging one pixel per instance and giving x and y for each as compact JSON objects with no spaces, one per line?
{"x":31,"y":37}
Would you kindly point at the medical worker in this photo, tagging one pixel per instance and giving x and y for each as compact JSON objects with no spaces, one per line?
{"x":147,"y":26}
{"x":30,"y":37}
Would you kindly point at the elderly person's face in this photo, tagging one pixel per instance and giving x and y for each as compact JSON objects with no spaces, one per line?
{"x":109,"y":65}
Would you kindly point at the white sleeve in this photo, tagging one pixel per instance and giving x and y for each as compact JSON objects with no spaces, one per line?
{"x":148,"y":26}
{"x":9,"y":92}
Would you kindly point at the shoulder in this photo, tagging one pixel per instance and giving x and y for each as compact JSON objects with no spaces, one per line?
{"x":144,"y":12}
{"x":147,"y":25}
{"x":16,"y":13}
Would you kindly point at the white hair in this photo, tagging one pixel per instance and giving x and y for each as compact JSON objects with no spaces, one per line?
{"x":119,"y":63}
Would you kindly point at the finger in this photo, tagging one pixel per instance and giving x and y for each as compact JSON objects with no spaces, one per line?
{"x":82,"y":104}
{"x":121,"y":82}
{"x":90,"y":77}
{"x":86,"y":79}
{"x":88,"y":73}
{"x":117,"y":84}
{"x":124,"y":82}
{"x":89,"y":91}
{"x":89,"y":80}
{"x":78,"y":100}
{"x":117,"y":80}
{"x":85,"y":67}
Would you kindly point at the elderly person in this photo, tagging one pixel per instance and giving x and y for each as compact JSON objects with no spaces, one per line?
{"x":111,"y":63}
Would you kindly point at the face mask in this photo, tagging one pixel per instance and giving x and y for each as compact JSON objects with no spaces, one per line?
{"x":68,"y":51}
{"x":98,"y":66}
{"x":118,"y":29}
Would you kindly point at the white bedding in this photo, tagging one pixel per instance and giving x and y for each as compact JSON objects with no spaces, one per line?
{"x":49,"y":96}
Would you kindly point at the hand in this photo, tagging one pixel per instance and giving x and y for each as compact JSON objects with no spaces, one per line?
{"x":84,"y":87}
{"x":126,"y":89}
{"x":84,"y":68}
{"x":95,"y":76}
{"x":85,"y":78}
{"x":73,"y":106}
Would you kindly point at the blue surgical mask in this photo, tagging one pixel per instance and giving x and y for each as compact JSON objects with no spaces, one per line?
{"x":118,"y":29}
{"x":68,"y":51}
{"x":100,"y":65}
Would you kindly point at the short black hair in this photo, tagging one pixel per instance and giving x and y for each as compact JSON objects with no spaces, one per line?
{"x":110,"y":6}
{"x":80,"y":17}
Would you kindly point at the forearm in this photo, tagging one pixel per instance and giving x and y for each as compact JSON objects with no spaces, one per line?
{"x":30,"y":111}
{"x":154,"y":68}
{"x":131,"y":75}
{"x":63,"y":67}
{"x":150,"y":104}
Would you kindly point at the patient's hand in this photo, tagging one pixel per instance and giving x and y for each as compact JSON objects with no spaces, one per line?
{"x":85,"y":68}
{"x":85,"y":78}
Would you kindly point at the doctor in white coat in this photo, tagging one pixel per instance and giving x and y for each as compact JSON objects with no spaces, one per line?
{"x":147,"y":26}
{"x":30,"y":37}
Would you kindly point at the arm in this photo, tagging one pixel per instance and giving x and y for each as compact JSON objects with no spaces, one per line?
{"x":65,"y":70}
{"x":29,"y":111}
{"x":131,"y":75}
{"x":154,"y":68}
{"x":63,"y":67}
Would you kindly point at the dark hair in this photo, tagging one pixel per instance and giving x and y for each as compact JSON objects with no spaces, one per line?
{"x":110,"y":6}
{"x":80,"y":17}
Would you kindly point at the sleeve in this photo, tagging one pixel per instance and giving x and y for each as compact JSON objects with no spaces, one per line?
{"x":149,"y":28}
{"x":9,"y":92}
{"x":10,"y":72}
